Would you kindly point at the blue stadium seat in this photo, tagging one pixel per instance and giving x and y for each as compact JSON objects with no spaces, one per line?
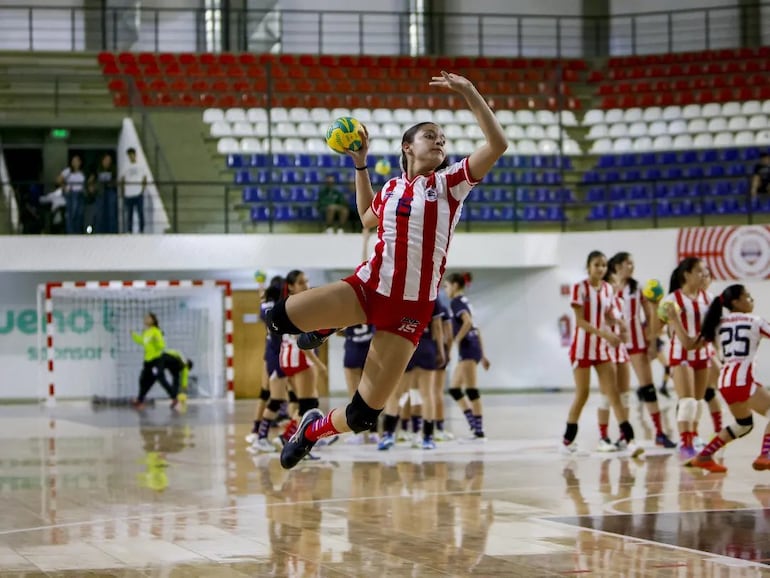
{"x":550,"y":178}
{"x":305,"y":161}
{"x":741,"y":187}
{"x":688,"y":157}
{"x":652,"y":174}
{"x":619,"y":211}
{"x":617,"y":193}
{"x":647,"y":159}
{"x":596,"y":194}
{"x":566,"y":163}
{"x":567,"y":196}
{"x":527,"y":178}
{"x":481,"y":213}
{"x":672,"y":173}
{"x":308,"y":213}
{"x":258,"y":161}
{"x":554,"y":214}
{"x":476,"y":195}
{"x":627,"y":160}
{"x":695,"y":172}
{"x":279,"y":194}
{"x":721,"y":188}
{"x":761,"y":204}
{"x":328,"y":161}
{"x":728,"y":155}
{"x":606,"y":161}
{"x":639,"y":191}
{"x":667,"y":158}
{"x":255,"y":195}
{"x":680,"y":189}
{"x":590,"y":176}
{"x":709,"y":156}
{"x":264,"y":176}
{"x":597,"y":213}
{"x":234,"y":161}
{"x":632,"y":175}
{"x":749,"y":154}
{"x":285,"y":213}
{"x":260,"y":214}
{"x":708,"y":207}
{"x":522,"y":161}
{"x":283,"y":160}
{"x":662,"y":191}
{"x":291,"y":177}
{"x":701,"y":189}
{"x":531,"y":214}
{"x":313,"y":177}
{"x":730,"y":206}
{"x":523,"y":195}
{"x":736,"y":170}
{"x":663,"y":208}
{"x":504,"y":162}
{"x":682,"y":209}
{"x":503,"y":214}
{"x":242,"y":177}
{"x":639,"y":211}
{"x":714,"y":171}
{"x":611,"y":176}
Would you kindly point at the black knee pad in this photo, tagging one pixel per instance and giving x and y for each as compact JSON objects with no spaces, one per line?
{"x":264,"y":394}
{"x":274,"y":405}
{"x":709,"y":394}
{"x":742,"y":428}
{"x":277,"y":320}
{"x":359,"y":415}
{"x":456,"y":393}
{"x":293,"y":397}
{"x":472,"y":393}
{"x":306,"y":404}
{"x":647,"y":393}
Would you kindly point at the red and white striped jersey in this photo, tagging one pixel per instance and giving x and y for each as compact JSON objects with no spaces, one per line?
{"x":596,"y":303}
{"x":691,"y":313}
{"x":739,"y":335}
{"x":416,"y":222}
{"x":291,"y":356}
{"x":618,"y":354}
{"x":633,"y":315}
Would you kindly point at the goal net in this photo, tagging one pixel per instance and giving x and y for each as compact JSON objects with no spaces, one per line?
{"x":87,"y":346}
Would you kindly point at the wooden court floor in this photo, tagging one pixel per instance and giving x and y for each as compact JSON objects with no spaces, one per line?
{"x":110,"y":492}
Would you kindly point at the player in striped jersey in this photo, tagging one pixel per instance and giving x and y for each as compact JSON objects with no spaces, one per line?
{"x":684,"y":308}
{"x":710,"y":395}
{"x":739,"y":333}
{"x":592,"y":302}
{"x":642,"y":323}
{"x":416,"y":214}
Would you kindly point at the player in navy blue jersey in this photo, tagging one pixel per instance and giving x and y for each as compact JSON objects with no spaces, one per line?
{"x":471,"y":353}
{"x":357,"y":341}
{"x":439,"y":376}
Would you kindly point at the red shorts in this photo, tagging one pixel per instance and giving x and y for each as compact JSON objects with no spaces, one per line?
{"x":737,"y":393}
{"x":637,"y":350}
{"x":697,"y":365}
{"x":584,"y":363}
{"x":292,"y":360}
{"x":405,"y":318}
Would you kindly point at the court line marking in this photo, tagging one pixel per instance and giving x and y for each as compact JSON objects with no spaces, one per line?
{"x":709,"y":556}
{"x":613,"y":511}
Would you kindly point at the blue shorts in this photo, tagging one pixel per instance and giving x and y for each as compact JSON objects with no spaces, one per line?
{"x":273,"y":365}
{"x":355,"y":355}
{"x":470,"y":350}
{"x":424,"y":356}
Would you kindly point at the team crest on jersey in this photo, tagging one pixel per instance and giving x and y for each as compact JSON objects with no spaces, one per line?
{"x":431,"y":194}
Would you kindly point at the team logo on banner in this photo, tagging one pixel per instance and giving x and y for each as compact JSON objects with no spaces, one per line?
{"x":730,"y":252}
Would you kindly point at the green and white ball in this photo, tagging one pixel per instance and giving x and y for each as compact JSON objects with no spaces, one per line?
{"x":342,"y":135}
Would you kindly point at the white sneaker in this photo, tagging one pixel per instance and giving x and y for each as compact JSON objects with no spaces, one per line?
{"x":329,"y":230}
{"x":355,"y":439}
{"x":264,"y":446}
{"x":605,"y":445}
{"x":568,"y":450}
{"x":698,"y":443}
{"x":403,"y":436}
{"x":441,"y":435}
{"x":634,"y":450}
{"x":251,"y":438}
{"x":373,"y":437}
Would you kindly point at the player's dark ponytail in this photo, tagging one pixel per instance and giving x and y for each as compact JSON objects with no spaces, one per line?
{"x":686,"y":265}
{"x":154,"y":318}
{"x":291,"y":279}
{"x":714,"y":314}
{"x":622,"y":257}
{"x":460,"y":279}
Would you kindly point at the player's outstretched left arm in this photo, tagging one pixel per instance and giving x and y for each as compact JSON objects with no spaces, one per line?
{"x":484,"y":157}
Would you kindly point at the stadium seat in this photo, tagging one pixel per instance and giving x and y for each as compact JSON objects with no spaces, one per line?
{"x":220,"y":129}
{"x":744,"y":138}
{"x":702,"y":141}
{"x":593,"y":117}
{"x":600,"y":146}
{"x":226,"y":146}
{"x":723,"y":139}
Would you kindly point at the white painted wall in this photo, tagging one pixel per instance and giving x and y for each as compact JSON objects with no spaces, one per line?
{"x":690,"y":30}
{"x":516,"y":290}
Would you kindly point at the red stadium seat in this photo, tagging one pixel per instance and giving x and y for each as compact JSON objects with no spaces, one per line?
{"x":110,"y":69}
{"x":146,"y":58}
{"x":105,"y":58}
{"x":208,"y":59}
{"x":247,"y":59}
{"x":180,"y":85}
{"x":117,"y":85}
{"x":187,"y":59}
{"x":609,"y":102}
{"x":120,"y":99}
{"x":227,"y":101}
{"x":647,"y":100}
{"x":125,"y":58}
{"x":595,"y":76}
{"x":227,"y":59}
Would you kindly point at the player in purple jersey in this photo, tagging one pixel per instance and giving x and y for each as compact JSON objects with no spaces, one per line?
{"x":471,"y":353}
{"x":357,"y":341}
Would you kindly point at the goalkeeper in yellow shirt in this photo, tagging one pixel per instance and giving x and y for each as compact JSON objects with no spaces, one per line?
{"x":154,"y":344}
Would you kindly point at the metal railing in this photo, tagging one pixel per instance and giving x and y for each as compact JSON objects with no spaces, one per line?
{"x":217,"y":208}
{"x":26,"y":27}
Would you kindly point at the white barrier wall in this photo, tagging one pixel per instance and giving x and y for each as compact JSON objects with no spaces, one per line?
{"x":516,"y":293}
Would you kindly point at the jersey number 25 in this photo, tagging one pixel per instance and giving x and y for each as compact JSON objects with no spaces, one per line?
{"x":735,"y":340}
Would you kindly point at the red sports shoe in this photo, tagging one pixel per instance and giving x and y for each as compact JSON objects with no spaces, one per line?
{"x":761,"y":463}
{"x":708,"y":464}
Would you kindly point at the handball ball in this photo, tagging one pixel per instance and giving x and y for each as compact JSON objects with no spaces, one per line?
{"x":382,"y":167}
{"x":663,"y":310}
{"x":260,"y":276}
{"x":653,"y":290}
{"x":342,"y":135}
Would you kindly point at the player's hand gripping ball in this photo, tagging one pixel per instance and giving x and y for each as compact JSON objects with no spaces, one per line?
{"x":342,"y":135}
{"x":653,"y":290}
{"x":667,"y":308}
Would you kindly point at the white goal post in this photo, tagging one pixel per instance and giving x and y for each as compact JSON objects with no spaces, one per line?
{"x":86,"y":344}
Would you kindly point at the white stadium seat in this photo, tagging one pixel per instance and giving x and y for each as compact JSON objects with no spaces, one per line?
{"x":505,"y":117}
{"x":514,"y":132}
{"x":617,"y":130}
{"x":274,"y":144}
{"x":453,"y":131}
{"x":682,"y":142}
{"x":758,"y":122}
{"x":391,"y":130}
{"x":766,"y":107}
{"x":737,"y":123}
{"x":299,"y":114}
{"x":284,"y":129}
{"x":251,"y":145}
{"x":525,"y":117}
{"x":677,"y":127}
{"x":213,"y":115}
{"x":462,"y":146}
{"x":642,"y":144}
{"x":261,"y":129}
{"x":691,"y":111}
{"x":310,"y":130}
{"x":294,"y":145}
{"x":235,"y":115}
{"x":731,"y":109}
{"x":662,"y":143}
{"x":717,"y":124}
{"x":545,"y":117}
{"x":547,"y":147}
{"x":613,"y":115}
{"x":751,"y":107}
{"x":697,"y":126}
{"x":473,"y":131}
{"x":657,"y":128}
{"x":464,"y":116}
{"x":672,"y":112}
{"x":762,"y":137}
{"x":256,"y":115}
{"x":444,"y":116}
{"x":592,"y":117}
{"x":723,"y":139}
{"x":652,"y":114}
{"x":568,"y":118}
{"x":711,"y":110}
{"x":554,"y":132}
{"x":526,"y":147}
{"x":279,"y":114}
{"x":744,"y":138}
{"x":603,"y":145}
{"x":622,"y":145}
{"x":632,"y":115}
{"x":241,"y":129}
{"x":570,"y":147}
{"x":338,"y":112}
{"x":320,"y":115}
{"x":220,"y":128}
{"x":702,"y":141}
{"x":362,"y":114}
{"x":402,"y":115}
{"x":637,"y":129}
{"x":316,"y":145}
{"x":597,"y":131}
{"x":379,"y":146}
{"x":534,"y":131}
{"x":227,"y":146}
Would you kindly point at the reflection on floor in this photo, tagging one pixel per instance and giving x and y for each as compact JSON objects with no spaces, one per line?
{"x":115,"y":493}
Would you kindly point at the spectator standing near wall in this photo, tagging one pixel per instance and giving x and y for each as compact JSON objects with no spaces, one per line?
{"x":333,"y":205}
{"x":133,"y":182}
{"x":73,"y":183}
{"x":103,"y":184}
{"x":760,"y":180}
